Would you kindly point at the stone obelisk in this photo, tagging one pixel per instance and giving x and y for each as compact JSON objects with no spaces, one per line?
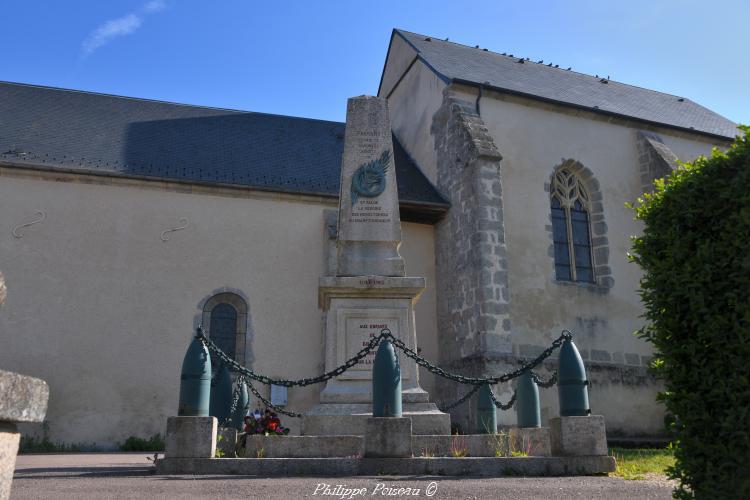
{"x":369,"y":291}
{"x":369,"y":231}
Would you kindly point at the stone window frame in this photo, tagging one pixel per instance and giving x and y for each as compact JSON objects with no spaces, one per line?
{"x":603,"y":279}
{"x":239,"y":301}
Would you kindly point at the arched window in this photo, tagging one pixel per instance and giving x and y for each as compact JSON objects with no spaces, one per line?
{"x":223,"y":328}
{"x":224,"y":319}
{"x":570,"y":227}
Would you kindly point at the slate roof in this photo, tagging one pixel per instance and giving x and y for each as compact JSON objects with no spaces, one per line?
{"x":461,"y":63}
{"x":111,"y":135}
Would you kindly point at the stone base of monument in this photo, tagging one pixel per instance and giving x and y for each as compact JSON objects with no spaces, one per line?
{"x":388,"y":437}
{"x":283,"y":456}
{"x":534,"y":442}
{"x":417,"y":466}
{"x":191,"y":437}
{"x":351,"y":419}
{"x":578,"y":436}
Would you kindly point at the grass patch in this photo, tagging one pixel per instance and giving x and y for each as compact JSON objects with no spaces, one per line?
{"x":34,"y":444}
{"x":133,"y":443}
{"x":634,"y":463}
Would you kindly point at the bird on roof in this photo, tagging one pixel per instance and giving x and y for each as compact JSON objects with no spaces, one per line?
{"x":540,"y":61}
{"x":569,"y":68}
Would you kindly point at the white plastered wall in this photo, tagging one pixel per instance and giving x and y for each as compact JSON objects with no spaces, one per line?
{"x":533,"y":140}
{"x":103,"y":310}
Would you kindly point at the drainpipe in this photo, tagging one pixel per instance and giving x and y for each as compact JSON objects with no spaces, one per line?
{"x":476,"y":104}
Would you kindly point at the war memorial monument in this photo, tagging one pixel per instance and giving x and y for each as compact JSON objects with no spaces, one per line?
{"x":373,"y":416}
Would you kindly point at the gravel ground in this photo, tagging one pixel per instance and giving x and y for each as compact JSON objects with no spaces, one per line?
{"x":130,"y":476}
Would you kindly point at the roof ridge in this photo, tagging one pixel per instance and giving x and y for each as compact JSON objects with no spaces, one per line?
{"x":158,"y":101}
{"x":548,"y":67}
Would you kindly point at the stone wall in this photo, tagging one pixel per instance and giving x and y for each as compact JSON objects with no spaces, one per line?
{"x":471,"y":268}
{"x":655,"y":159}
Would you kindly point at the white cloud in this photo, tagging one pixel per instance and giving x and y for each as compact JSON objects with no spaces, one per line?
{"x":155,"y":6}
{"x":125,"y":25}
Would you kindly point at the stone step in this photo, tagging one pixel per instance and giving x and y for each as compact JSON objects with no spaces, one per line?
{"x":533,"y":442}
{"x":468,"y":466}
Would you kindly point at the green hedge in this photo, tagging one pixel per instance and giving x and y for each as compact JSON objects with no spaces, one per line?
{"x":695,"y":254}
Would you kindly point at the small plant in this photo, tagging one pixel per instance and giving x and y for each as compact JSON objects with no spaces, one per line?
{"x":634,"y":464}
{"x":34,"y":444}
{"x":427,"y":453}
{"x":133,"y":443}
{"x":500,"y":444}
{"x":459,"y":448}
{"x":524,"y":450}
{"x":219,"y":452}
{"x":261,"y":453}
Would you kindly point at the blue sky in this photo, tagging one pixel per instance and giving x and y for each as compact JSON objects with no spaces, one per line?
{"x":304,"y":58}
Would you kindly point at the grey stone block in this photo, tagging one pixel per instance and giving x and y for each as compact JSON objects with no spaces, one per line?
{"x":9,"y":439}
{"x":388,"y":437}
{"x":22,"y":398}
{"x":257,"y":446}
{"x":226,"y":442}
{"x":578,"y":436}
{"x":533,"y":441}
{"x":191,"y":437}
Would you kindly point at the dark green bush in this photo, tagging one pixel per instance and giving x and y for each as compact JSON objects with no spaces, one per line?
{"x":695,"y":254}
{"x":154,"y":443}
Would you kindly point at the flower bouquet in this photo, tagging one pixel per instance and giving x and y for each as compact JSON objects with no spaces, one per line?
{"x":266,"y":423}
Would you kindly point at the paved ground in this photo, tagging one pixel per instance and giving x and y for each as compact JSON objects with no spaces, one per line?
{"x":130,"y":476}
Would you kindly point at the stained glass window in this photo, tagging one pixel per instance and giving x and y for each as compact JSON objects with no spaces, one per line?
{"x":223,"y":330}
{"x":570,"y":228}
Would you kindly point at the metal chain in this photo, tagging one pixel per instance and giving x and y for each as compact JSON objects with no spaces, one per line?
{"x":544,"y":384}
{"x":235,"y":399}
{"x":268,"y":404}
{"x":505,"y":407}
{"x":384,"y":334}
{"x":461,"y":400}
{"x":566,"y":335}
{"x":233,"y":365}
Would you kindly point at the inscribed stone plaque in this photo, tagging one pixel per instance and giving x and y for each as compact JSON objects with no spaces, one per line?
{"x":356,"y":328}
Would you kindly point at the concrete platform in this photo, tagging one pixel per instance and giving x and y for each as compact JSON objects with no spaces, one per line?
{"x":351,"y":419}
{"x":469,"y":466}
{"x":535,"y":442}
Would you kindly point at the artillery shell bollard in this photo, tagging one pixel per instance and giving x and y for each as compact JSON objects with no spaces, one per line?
{"x":528,"y":412}
{"x":221,"y":395}
{"x":575,"y":432}
{"x":486,"y":411}
{"x":387,"y":434}
{"x":192,"y":434}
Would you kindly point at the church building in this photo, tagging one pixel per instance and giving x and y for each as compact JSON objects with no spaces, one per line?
{"x":126,"y":223}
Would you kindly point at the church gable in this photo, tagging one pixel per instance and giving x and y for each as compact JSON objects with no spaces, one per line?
{"x":516,"y":75}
